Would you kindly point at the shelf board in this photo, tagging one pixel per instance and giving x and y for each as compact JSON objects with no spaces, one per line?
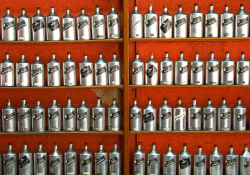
{"x":187,"y":86}
{"x":63,"y":132}
{"x":189,"y":132}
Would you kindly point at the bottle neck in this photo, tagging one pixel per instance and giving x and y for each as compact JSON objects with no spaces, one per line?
{"x":8,"y":103}
{"x":68,"y":55}
{"x":215,"y":148}
{"x":200,"y":150}
{"x":8,"y":12}
{"x":136,"y":8}
{"x":86,"y":147}
{"x":112,"y":9}
{"x":83,"y":11}
{"x":226,"y":9}
{"x":98,"y":101}
{"x":209,"y":102}
{"x":37,"y":58}
{"x":38,"y":11}
{"x":67,"y":11}
{"x":52,"y":10}
{"x":55,"y":147}
{"x":181,"y":55}
{"x":54,"y":101}
{"x":165,"y":9}
{"x":10,"y":147}
{"x":166,"y":55}
{"x":179,"y":102}
{"x":38,"y":102}
{"x":97,"y":9}
{"x":40,"y":146}
{"x":212,"y":55}
{"x":242,"y":7}
{"x":83,"y":102}
{"x":7,"y":56}
{"x":180,"y":9}
{"x":70,"y":145}
{"x":53,"y":56}
{"x":22,"y":57}
{"x":24,"y":102}
{"x":69,"y":101}
{"x":149,"y":102}
{"x":196,"y":56}
{"x":231,"y":150}
{"x":223,"y":101}
{"x":135,"y":102}
{"x":114,"y":56}
{"x":114,"y":102}
{"x":169,"y":148}
{"x":115,"y":146}
{"x":194,"y":102}
{"x":23,"y":12}
{"x":227,"y":55}
{"x":101,"y":147}
{"x":85,"y":57}
{"x":242,"y":55}
{"x":100,"y":56}
{"x":151,"y":57}
{"x":153,"y":147}
{"x":196,"y":7}
{"x":139,"y":146}
{"x":165,"y":101}
{"x":211,"y":8}
{"x":246,"y":148}
{"x":184,"y":148}
{"x":137,"y":56}
{"x":24,"y":146}
{"x":150,"y":8}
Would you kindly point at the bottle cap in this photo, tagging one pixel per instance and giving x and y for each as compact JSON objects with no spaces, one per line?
{"x":68,"y":53}
{"x":150,"y":5}
{"x":97,"y":6}
{"x":196,"y":52}
{"x":231,"y":146}
{"x":38,"y":99}
{"x":83,"y":99}
{"x":135,"y":99}
{"x":165,"y":6}
{"x":212,"y":52}
{"x":242,"y":5}
{"x":114,"y":53}
{"x":53,"y":53}
{"x":215,"y":145}
{"x":69,"y":98}
{"x":112,"y":6}
{"x":37,"y":54}
{"x":195,"y":4}
{"x":25,"y":143}
{"x":85,"y":54}
{"x":7,"y":53}
{"x":184,"y":144}
{"x":23,"y":98}
{"x":181,"y":52}
{"x":149,"y":98}
{"x":166,"y":52}
{"x":100,"y":53}
{"x":226,"y":5}
{"x":86,"y":144}
{"x":55,"y":144}
{"x":137,"y":53}
{"x":115,"y":143}
{"x":180,"y":5}
{"x":52,"y":7}
{"x":67,"y":8}
{"x":179,"y":98}
{"x":165,"y":99}
{"x":169,"y":145}
{"x":40,"y":143}
{"x":38,"y":8}
{"x":10,"y":143}
{"x":8,"y":100}
{"x":82,"y":8}
{"x":153,"y":144}
{"x":7,"y":8}
{"x":223,"y":98}
{"x":194,"y":98}
{"x":246,"y":145}
{"x":209,"y":99}
{"x":99,"y":98}
{"x":139,"y":143}
{"x":239,"y":98}
{"x":199,"y":146}
{"x":70,"y":142}
{"x":114,"y":99}
{"x":23,"y":8}
{"x":211,"y":5}
{"x":151,"y":54}
{"x":100,"y":143}
{"x":54,"y":98}
{"x":242,"y":52}
{"x":227,"y":52}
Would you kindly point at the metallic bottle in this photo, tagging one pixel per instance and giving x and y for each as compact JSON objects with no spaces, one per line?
{"x":241,"y":23}
{"x":151,"y":71}
{"x":180,"y":24}
{"x":179,"y":117}
{"x":37,"y":72}
{"x":181,"y":71}
{"x":86,"y":72}
{"x":22,"y":72}
{"x":101,"y":161}
{"x":101,"y":71}
{"x":239,"y":117}
{"x":153,"y":163}
{"x":200,"y":163}
{"x":98,"y":25}
{"x":137,"y":71}
{"x":7,"y":71}
{"x":169,"y":162}
{"x":10,"y":161}
{"x":211,"y":23}
{"x":98,"y":116}
{"x":38,"y":118}
{"x":68,"y":26}
{"x":197,"y":71}
{"x":115,"y":161}
{"x":8,"y":26}
{"x":209,"y":117}
{"x":54,"y":72}
{"x":114,"y":71}
{"x":166,"y":71}
{"x":194,"y":117}
{"x":242,"y":70}
{"x":212,"y":71}
{"x":185,"y":159}
{"x":9,"y":118}
{"x":165,"y":24}
{"x":83,"y":26}
{"x":69,"y":71}
{"x":231,"y":162}
{"x":56,"y":162}
{"x":25,"y":161}
{"x":151,"y":23}
{"x":69,"y":117}
{"x":149,"y":117}
{"x":195,"y":23}
{"x":38,"y":26}
{"x":113,"y":24}
{"x":86,"y":161}
{"x":114,"y":117}
{"x":139,"y":159}
{"x":54,"y":117}
{"x":227,"y":71}
{"x":23,"y":27}
{"x":135,"y":117}
{"x":216,"y":162}
{"x":83,"y":117}
{"x":70,"y":161}
{"x":245,"y":161}
{"x":226,"y":23}
{"x":40,"y":161}
{"x":136,"y":24}
{"x":53,"y":30}
{"x":24,"y":117}
{"x":165,"y":117}
{"x":224,"y":117}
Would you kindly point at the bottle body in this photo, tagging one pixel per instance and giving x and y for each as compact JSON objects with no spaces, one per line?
{"x":212,"y":72}
{"x":165,"y":26}
{"x":151,"y":73}
{"x":83,"y":27}
{"x":86,"y":74}
{"x":7,"y":74}
{"x":98,"y":26}
{"x":38,"y":28}
{"x":37,"y":74}
{"x":22,"y":74}
{"x":209,"y":118}
{"x":242,"y":72}
{"x":180,"y":25}
{"x":69,"y":73}
{"x":150,"y":25}
{"x":113,"y":25}
{"x":137,"y":73}
{"x":54,"y":74}
{"x":8,"y":26}
{"x":9,"y":119}
{"x":211,"y":25}
{"x":24,"y":118}
{"x":179,"y":117}
{"x":226,"y":25}
{"x":196,"y":73}
{"x":136,"y":25}
{"x":181,"y":72}
{"x":68,"y":28}
{"x":242,"y":25}
{"x":227,"y":73}
{"x":23,"y":28}
{"x":54,"y":118}
{"x":53,"y":28}
{"x":135,"y":118}
{"x":114,"y":72}
{"x":166,"y":74}
{"x":83,"y":118}
{"x":195,"y":25}
{"x":69,"y":118}
{"x":101,"y":74}
{"x":38,"y":119}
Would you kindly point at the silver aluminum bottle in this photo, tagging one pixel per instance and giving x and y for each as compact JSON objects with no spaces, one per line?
{"x":241,"y":23}
{"x":86,"y":159}
{"x":195,"y":23}
{"x":239,"y":117}
{"x":194,"y":117}
{"x":181,"y":71}
{"x":166,"y":71}
{"x":149,"y":117}
{"x":56,"y":162}
{"x":211,"y":23}
{"x":115,"y":161}
{"x":231,"y":162}
{"x":136,"y":24}
{"x":23,"y":27}
{"x":22,"y":72}
{"x":113,"y":24}
{"x":54,"y":72}
{"x":226,"y":23}
{"x":179,"y":117}
{"x":38,"y":26}
{"x":224,"y":117}
{"x":98,"y":25}
{"x":165,"y":117}
{"x":37,"y":73}
{"x":242,"y":70}
{"x":137,"y":71}
{"x":24,"y":117}
{"x":83,"y":26}
{"x":101,"y":71}
{"x":169,"y":162}
{"x":197,"y":71}
{"x":227,"y":71}
{"x":9,"y":118}
{"x":185,"y":159}
{"x":212,"y":71}
{"x":69,"y":71}
{"x":10,"y":161}
{"x":70,"y":161}
{"x":114,"y":71}
{"x":38,"y":118}
{"x":245,"y":161}
{"x":40,"y":161}
{"x":68,"y":26}
{"x":83,"y":117}
{"x":180,"y":24}
{"x":209,"y":117}
{"x":151,"y":71}
{"x":153,"y":163}
{"x":135,"y":113}
{"x":200,"y":162}
{"x":69,"y":117}
{"x":98,"y":116}
{"x":54,"y":117}
{"x":215,"y":162}
{"x":7,"y":71}
{"x":139,"y":159}
{"x":86,"y":72}
{"x":25,"y":161}
{"x":101,"y":161}
{"x":53,"y":30}
{"x":114,"y":117}
{"x":165,"y":24}
{"x":8,"y":26}
{"x":151,"y":23}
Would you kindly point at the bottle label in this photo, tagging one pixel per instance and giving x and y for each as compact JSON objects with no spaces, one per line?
{"x":71,"y":160}
{"x":69,"y":69}
{"x":151,"y":71}
{"x":101,"y":70}
{"x":215,"y":163}
{"x":180,"y":116}
{"x":201,"y":163}
{"x":38,"y":25}
{"x":197,"y":69}
{"x":53,"y":25}
{"x":227,"y":21}
{"x":169,"y":163}
{"x":53,"y":115}
{"x":36,"y":71}
{"x":8,"y":25}
{"x":70,"y":115}
{"x":21,"y":24}
{"x":196,"y":20}
{"x":209,"y":115}
{"x":148,"y":117}
{"x":150,"y":21}
{"x":67,"y":25}
{"x":152,"y":161}
{"x":230,"y":162}
{"x":53,"y":69}
{"x":167,"y":69}
{"x":41,"y":160}
{"x":6,"y":70}
{"x":113,"y":160}
{"x":100,"y":160}
{"x":210,"y":21}
{"x":241,"y":22}
{"x":38,"y":116}
{"x":136,"y":22}
{"x":135,"y":115}
{"x":225,"y":115}
{"x":166,"y":115}
{"x":24,"y":161}
{"x":82,"y":116}
{"x":98,"y":23}
{"x":54,"y":162}
{"x":184,"y":163}
{"x":179,"y":22}
{"x":24,"y":115}
{"x":8,"y":162}
{"x":183,"y":69}
{"x":140,"y":161}
{"x":113,"y":22}
{"x":166,"y":25}
{"x":86,"y":71}
{"x":229,"y":69}
{"x":83,"y":23}
{"x":196,"y":115}
{"x":114,"y":69}
{"x":115,"y":115}
{"x":86,"y":162}
{"x":137,"y":69}
{"x":213,"y":68}
{"x":241,"y":117}
{"x":22,"y":70}
{"x":98,"y":115}
{"x":243,"y":69}
{"x":9,"y":116}
{"x":246,"y":164}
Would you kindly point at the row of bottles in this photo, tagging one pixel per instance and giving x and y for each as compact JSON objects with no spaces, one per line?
{"x":104,"y":163}
{"x":180,"y":119}
{"x":39,"y":28}
{"x":170,"y":165}
{"x":229,"y":25}
{"x":216,"y":73}
{"x":26,"y":75}
{"x":80,"y":119}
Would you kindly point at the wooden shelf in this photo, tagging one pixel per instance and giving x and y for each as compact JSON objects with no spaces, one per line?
{"x":187,"y":86}
{"x":64,"y":132}
{"x":188,"y":132}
